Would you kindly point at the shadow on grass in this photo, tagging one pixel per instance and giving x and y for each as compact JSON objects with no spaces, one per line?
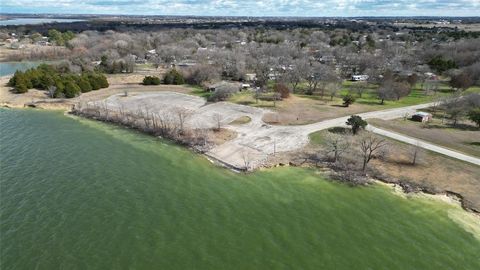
{"x":339,"y":130}
{"x":370,"y":102}
{"x":245,"y":102}
{"x":474,"y":143}
{"x":463,"y":127}
{"x":339,"y":105}
{"x":313,"y":97}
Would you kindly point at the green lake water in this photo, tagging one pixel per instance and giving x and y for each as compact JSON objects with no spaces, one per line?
{"x":77,"y":194}
{"x":9,"y":68}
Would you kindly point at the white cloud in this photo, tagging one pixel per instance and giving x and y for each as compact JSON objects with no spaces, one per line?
{"x":250,"y":7}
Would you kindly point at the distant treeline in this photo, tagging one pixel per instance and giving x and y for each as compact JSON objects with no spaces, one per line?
{"x":124,"y":26}
{"x":59,"y":83}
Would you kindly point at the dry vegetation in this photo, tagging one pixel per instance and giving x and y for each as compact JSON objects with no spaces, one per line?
{"x":300,"y":110}
{"x":394,"y":163}
{"x":241,"y":120}
{"x":464,"y":138}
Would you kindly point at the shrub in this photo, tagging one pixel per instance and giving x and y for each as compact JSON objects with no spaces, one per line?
{"x":223,"y":92}
{"x":71,"y":89}
{"x":21,"y":87}
{"x":67,"y":84}
{"x":474,"y":116}
{"x":151,"y":80}
{"x":356,"y":122}
{"x":440,"y":64}
{"x":84,"y":85}
{"x":173,"y":77}
{"x":348,"y":99}
{"x":461,"y":81}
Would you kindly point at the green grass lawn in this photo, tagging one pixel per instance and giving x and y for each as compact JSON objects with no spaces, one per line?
{"x":317,"y":137}
{"x":241,"y":120}
{"x":199,"y":91}
{"x":247,"y":98}
{"x":369,"y":97}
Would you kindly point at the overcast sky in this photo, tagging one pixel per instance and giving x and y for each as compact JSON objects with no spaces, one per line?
{"x":249,"y":7}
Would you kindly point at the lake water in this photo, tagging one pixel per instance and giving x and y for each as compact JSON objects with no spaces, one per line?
{"x":77,"y":194}
{"x":8,"y":68}
{"x":25,"y":21}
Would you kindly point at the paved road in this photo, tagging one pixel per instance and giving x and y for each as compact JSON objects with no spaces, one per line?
{"x":424,"y":144}
{"x":393,"y":114}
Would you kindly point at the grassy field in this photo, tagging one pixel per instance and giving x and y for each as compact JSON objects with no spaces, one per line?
{"x":247,"y":98}
{"x":199,"y":91}
{"x":369,"y":97}
{"x":300,"y":109}
{"x":463,"y":138}
{"x":318,"y":137}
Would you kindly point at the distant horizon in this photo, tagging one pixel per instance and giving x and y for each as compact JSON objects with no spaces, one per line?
{"x":238,"y":16}
{"x":248,"y":8}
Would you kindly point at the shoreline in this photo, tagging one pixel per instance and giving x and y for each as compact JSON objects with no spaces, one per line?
{"x":404,"y":186}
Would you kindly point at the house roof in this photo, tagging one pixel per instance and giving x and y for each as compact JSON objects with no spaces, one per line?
{"x":422,"y":114}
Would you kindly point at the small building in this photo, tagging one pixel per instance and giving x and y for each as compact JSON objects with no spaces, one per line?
{"x":211,"y":87}
{"x":422,"y":117}
{"x":42,"y":43}
{"x":356,"y":78}
{"x":250,"y":77}
{"x":186,"y":63}
{"x":151,"y":53}
{"x":139,"y":60}
{"x":430,"y":76}
{"x":245,"y":86}
{"x":327,"y":59}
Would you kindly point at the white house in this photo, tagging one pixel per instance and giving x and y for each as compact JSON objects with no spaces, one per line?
{"x":359,"y":77}
{"x":422,"y":117}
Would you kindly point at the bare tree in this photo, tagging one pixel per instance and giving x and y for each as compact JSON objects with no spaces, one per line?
{"x":51,"y":91}
{"x":333,"y":89}
{"x":182,"y":115}
{"x":298,"y":72}
{"x":246,"y":160}
{"x":337,"y":145}
{"x":401,"y":89}
{"x":455,"y":108}
{"x":416,"y":153}
{"x":218,"y":119}
{"x":369,"y":147}
{"x":359,"y":88}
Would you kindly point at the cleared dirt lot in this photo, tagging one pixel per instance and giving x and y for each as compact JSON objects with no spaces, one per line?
{"x":297,"y":110}
{"x":255,"y":140}
{"x":464,"y":139}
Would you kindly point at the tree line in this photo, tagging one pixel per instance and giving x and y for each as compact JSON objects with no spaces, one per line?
{"x":59,"y":83}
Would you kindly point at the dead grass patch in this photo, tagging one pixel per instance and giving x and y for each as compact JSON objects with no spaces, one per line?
{"x":463,"y":138}
{"x":241,"y":120}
